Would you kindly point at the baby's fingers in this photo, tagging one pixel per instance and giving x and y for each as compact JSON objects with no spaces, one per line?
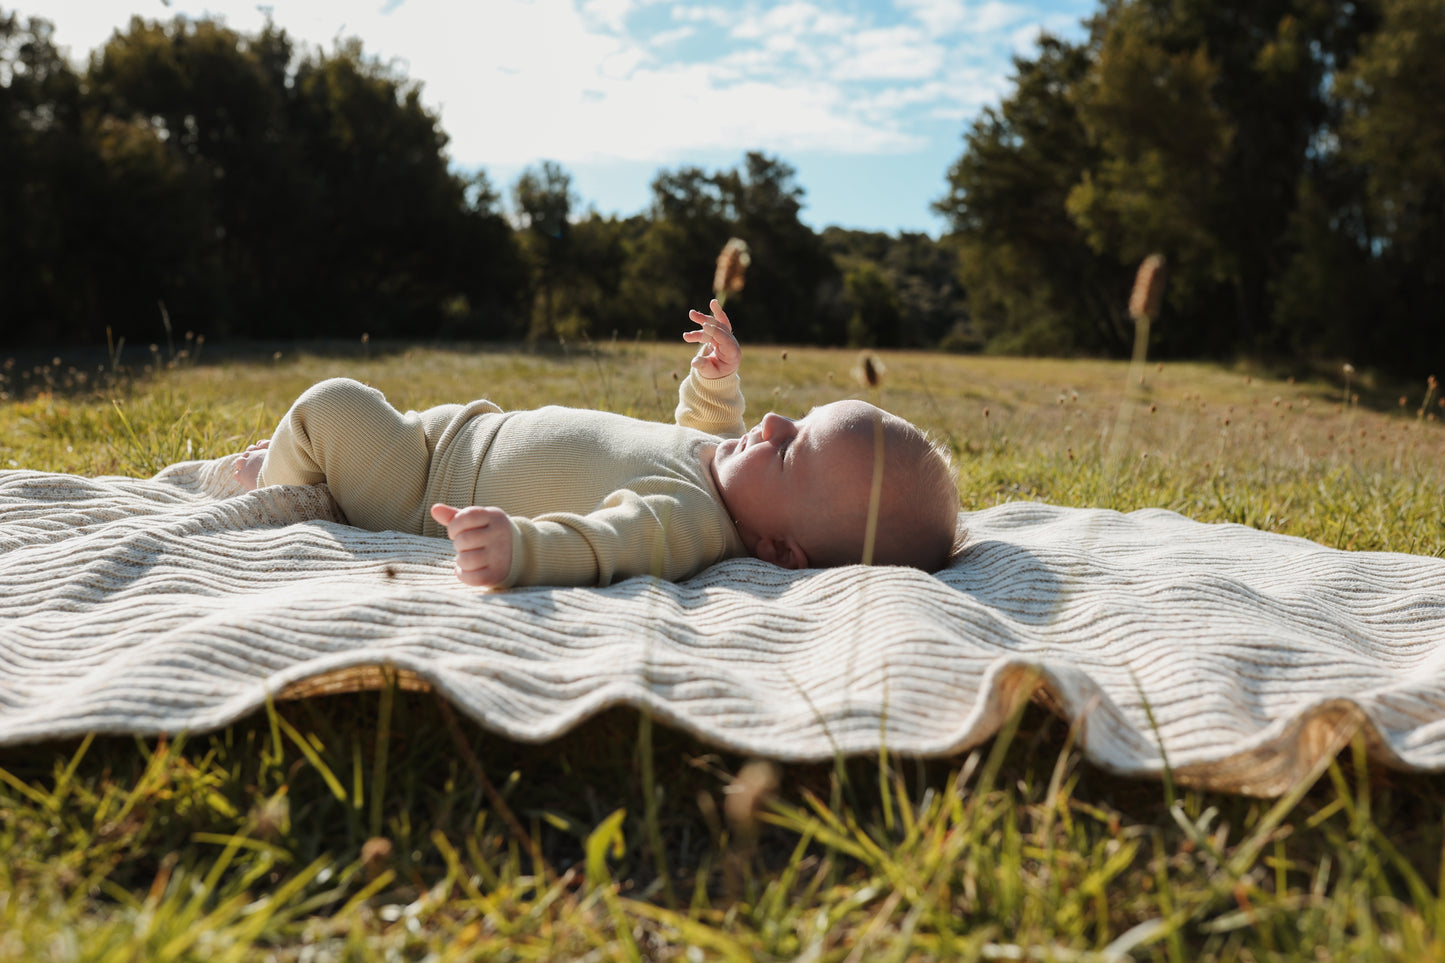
{"x":708,"y":332}
{"x":480,"y":567}
{"x":715,"y":306}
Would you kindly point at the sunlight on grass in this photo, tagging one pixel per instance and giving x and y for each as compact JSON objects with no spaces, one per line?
{"x":381,"y":826}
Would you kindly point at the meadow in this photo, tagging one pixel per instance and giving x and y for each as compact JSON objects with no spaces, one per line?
{"x":383,"y":825}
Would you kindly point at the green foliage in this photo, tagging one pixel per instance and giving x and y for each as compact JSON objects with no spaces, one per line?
{"x":1386,"y":233}
{"x":1284,"y":155}
{"x":248,"y":188}
{"x":1034,"y":285}
{"x":913,"y":277}
{"x":42,"y":162}
{"x":877,"y":318}
{"x":1164,"y":139}
{"x":544,"y":200}
{"x":792,"y":283}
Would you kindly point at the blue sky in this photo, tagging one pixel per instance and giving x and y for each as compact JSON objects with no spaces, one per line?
{"x":867,"y":99}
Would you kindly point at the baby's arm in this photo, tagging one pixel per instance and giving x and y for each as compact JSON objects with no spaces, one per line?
{"x":710,"y":398}
{"x":483,"y":541}
{"x":720,"y":354}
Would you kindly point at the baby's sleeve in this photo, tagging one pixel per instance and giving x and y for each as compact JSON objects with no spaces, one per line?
{"x":713,"y":405}
{"x":633,"y":533}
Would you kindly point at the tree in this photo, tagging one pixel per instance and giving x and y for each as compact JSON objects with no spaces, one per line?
{"x":793,"y":287}
{"x":330,"y":205}
{"x":1184,"y":126}
{"x":877,"y":318}
{"x":1207,"y":111}
{"x":1034,"y":284}
{"x":39,"y":137}
{"x":544,"y":200}
{"x":921,"y":279}
{"x":1150,"y":109}
{"x":670,"y":263}
{"x":1393,"y":134}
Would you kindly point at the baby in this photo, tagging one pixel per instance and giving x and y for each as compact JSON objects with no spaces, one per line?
{"x":565,"y":496}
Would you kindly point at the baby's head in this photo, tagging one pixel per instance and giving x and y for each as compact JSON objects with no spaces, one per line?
{"x":799,"y":491}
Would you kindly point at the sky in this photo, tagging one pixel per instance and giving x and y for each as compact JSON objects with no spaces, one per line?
{"x":867,"y":100}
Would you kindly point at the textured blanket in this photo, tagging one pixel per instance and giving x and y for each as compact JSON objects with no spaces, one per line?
{"x":1235,"y":657}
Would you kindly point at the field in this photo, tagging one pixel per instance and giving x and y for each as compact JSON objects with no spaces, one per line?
{"x":383,"y":826}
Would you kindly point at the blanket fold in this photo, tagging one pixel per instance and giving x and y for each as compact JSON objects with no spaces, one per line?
{"x":1242,"y":657}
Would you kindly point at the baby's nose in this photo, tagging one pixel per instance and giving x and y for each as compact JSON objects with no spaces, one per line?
{"x":773,"y":423}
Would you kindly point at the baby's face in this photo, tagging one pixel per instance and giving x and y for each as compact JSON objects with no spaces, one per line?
{"x":783,"y":472}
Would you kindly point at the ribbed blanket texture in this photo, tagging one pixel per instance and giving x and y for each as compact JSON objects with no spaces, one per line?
{"x":1237,"y":658}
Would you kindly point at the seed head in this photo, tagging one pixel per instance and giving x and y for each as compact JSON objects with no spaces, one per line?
{"x":748,"y":794}
{"x":1148,"y":294}
{"x":869,"y":370}
{"x":732,"y":266}
{"x":376,"y":856}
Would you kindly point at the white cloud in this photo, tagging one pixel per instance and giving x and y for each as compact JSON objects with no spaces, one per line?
{"x":939,"y":16}
{"x":583,"y":81}
{"x":995,"y":16}
{"x":890,"y":53}
{"x":610,"y":13}
{"x":717,"y":16}
{"x":787,"y":18}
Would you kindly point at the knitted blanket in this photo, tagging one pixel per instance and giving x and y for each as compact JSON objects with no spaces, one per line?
{"x":1235,"y":657}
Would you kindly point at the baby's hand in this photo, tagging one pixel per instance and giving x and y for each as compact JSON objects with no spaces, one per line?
{"x":483,"y":540}
{"x":721,"y":354}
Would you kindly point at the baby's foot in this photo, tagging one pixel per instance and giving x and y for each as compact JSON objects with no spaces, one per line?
{"x":248,"y":465}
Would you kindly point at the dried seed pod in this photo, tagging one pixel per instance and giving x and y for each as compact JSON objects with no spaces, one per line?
{"x":1148,"y":294}
{"x":732,"y":268}
{"x":748,"y":795}
{"x":870,"y":370}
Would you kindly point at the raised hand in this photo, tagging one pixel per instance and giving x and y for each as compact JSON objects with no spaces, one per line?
{"x":721,"y":353}
{"x":482,"y":538}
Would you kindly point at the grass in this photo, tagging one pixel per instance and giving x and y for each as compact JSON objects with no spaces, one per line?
{"x":382,"y":826}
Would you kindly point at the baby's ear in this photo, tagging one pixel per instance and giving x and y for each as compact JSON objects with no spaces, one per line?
{"x":783,"y":551}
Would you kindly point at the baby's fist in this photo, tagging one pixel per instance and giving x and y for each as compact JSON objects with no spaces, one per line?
{"x":482,"y":538}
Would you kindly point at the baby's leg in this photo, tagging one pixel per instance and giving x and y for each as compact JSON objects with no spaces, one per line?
{"x":372,"y":457}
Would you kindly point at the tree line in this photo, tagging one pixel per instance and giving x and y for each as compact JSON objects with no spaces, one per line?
{"x":1286,"y":156}
{"x":244,"y":186}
